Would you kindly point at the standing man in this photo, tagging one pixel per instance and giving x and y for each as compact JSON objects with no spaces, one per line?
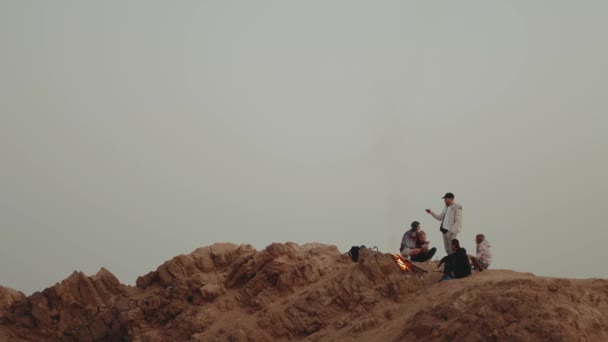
{"x":451,"y":220}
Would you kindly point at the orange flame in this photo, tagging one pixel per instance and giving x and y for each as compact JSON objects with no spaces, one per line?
{"x":402,"y":262}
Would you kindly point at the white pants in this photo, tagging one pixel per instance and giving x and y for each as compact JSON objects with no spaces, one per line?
{"x":447,"y":241}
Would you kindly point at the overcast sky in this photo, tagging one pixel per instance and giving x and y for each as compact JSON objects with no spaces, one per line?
{"x":134,"y":131}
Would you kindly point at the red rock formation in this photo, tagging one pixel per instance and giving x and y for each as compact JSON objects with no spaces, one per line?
{"x":227,"y":292}
{"x":8,"y":297}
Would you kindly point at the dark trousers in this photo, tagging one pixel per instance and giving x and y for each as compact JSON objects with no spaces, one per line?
{"x":424,"y":256}
{"x":448,"y":269}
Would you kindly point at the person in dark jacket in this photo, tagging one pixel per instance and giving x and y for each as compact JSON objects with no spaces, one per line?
{"x":457,"y":264}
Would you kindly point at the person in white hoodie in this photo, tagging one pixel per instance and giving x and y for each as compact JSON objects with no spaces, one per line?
{"x":483,"y":259}
{"x":451,"y":220}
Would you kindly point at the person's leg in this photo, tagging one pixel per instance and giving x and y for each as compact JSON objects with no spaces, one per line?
{"x":447,"y":243}
{"x":448,"y":267}
{"x":424,"y":256}
{"x":475,"y":263}
{"x":419,"y":258}
{"x":431,"y":253}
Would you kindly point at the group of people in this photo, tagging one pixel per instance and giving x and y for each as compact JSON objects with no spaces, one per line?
{"x":457,"y":263}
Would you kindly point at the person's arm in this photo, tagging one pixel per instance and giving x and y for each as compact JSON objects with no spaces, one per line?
{"x":484,"y":254}
{"x":443,"y":260}
{"x":409,"y":251}
{"x":480,"y":253}
{"x":438,"y":217}
{"x":448,"y":258}
{"x":457,"y":220}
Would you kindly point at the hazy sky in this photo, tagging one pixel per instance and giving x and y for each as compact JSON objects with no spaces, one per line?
{"x":134,"y":131}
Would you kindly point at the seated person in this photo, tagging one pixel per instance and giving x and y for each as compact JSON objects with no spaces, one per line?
{"x":484,"y":256}
{"x":408,"y":242}
{"x":425,"y":253}
{"x":456,"y":264}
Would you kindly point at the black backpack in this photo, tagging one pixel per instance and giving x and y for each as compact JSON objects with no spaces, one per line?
{"x":354,"y":252}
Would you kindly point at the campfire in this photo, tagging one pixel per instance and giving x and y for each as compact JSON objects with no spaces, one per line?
{"x":404,"y":264}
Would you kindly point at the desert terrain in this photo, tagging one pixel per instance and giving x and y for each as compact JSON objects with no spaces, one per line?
{"x":311,"y":292}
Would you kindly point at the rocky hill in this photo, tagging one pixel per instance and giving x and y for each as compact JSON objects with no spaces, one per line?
{"x":313,"y":292}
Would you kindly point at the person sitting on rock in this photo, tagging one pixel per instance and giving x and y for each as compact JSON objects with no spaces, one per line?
{"x":483,"y":259}
{"x":408,"y":242}
{"x":457,"y":264}
{"x":423,"y":244}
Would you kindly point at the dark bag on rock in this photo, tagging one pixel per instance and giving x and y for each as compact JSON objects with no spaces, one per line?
{"x":354,"y":252}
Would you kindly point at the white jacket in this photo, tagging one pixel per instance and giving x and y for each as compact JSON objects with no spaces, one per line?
{"x":454,"y":217}
{"x":484,"y":254}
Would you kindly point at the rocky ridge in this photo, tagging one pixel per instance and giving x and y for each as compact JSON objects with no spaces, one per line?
{"x":228,"y":292}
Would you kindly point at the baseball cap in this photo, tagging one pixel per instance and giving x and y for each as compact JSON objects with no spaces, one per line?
{"x":448,"y":195}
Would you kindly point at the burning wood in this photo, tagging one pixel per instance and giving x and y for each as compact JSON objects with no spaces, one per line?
{"x":404,"y":264}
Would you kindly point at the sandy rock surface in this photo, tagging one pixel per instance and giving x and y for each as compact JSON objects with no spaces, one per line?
{"x":287,"y":292}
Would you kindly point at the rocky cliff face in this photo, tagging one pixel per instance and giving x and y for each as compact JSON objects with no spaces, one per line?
{"x":8,"y":297}
{"x":227,"y":292}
